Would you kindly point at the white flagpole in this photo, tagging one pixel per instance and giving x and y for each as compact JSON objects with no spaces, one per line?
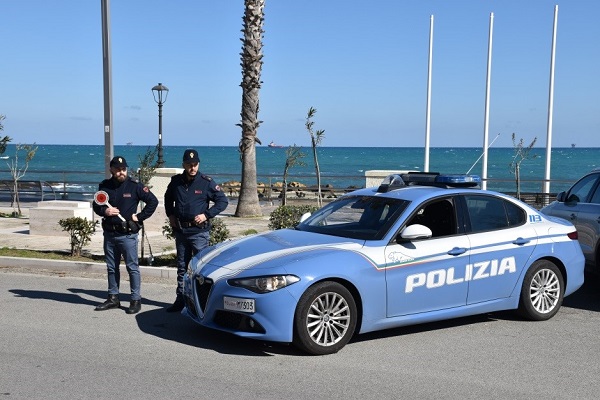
{"x":486,"y":123}
{"x":428,"y":111}
{"x":550,"y":107}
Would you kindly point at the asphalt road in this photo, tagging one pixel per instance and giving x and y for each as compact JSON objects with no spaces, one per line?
{"x":53,"y":345}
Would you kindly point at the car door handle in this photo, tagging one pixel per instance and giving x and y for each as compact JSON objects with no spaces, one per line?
{"x":457,"y":251}
{"x":573,"y":216}
{"x":520,"y":241}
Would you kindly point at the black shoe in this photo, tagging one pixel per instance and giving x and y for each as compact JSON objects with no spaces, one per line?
{"x":111,"y":302}
{"x":134,"y":307}
{"x":178,"y":305}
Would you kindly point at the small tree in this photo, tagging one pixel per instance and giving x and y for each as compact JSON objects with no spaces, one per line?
{"x":17,"y":173}
{"x":315,"y":140}
{"x":522,"y":153}
{"x":80,"y":232}
{"x":144,"y":174}
{"x":293,"y":157}
{"x":3,"y":140}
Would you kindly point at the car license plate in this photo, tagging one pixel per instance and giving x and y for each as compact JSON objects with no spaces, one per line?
{"x":237,"y":304}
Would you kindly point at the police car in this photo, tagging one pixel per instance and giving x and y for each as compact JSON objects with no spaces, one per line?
{"x":420,"y":247}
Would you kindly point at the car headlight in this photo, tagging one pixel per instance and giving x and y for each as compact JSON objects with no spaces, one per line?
{"x":264,"y":284}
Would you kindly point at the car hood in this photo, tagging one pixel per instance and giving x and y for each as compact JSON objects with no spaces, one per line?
{"x":268,"y":250}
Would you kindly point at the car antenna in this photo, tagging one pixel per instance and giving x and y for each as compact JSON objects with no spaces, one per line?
{"x":475,"y":163}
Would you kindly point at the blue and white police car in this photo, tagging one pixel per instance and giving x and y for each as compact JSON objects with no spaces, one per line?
{"x":421,"y":247}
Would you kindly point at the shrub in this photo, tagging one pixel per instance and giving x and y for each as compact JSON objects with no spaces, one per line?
{"x":80,"y":232}
{"x":288,"y":216}
{"x":218,"y":231}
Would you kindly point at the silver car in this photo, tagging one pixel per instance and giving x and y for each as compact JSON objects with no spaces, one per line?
{"x":581,"y":205}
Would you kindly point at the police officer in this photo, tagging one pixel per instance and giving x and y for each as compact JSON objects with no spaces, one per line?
{"x":187,"y":201}
{"x":121,"y":223}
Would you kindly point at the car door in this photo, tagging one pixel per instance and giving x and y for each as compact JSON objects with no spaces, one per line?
{"x":428,"y":274}
{"x":588,"y":223}
{"x":501,"y":241}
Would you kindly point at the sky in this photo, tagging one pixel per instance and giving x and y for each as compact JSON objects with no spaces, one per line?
{"x":362,"y":65}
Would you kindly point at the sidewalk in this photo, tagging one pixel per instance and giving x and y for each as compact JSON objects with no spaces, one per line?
{"x":14,"y":233}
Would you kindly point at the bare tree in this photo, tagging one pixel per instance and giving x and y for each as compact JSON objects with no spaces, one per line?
{"x":522,"y":153}
{"x":293,"y":157}
{"x":17,"y":173}
{"x":248,"y":204}
{"x":315,"y":140}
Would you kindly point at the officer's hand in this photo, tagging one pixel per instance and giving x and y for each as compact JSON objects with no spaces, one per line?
{"x":173,"y":221}
{"x":134,"y":218}
{"x":111,"y":212}
{"x":200,"y":218}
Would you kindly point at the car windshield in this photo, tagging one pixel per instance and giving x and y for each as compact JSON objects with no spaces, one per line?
{"x":356,"y":217}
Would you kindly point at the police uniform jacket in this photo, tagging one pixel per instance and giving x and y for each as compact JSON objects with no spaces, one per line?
{"x":186,"y":199}
{"x":125,"y":196}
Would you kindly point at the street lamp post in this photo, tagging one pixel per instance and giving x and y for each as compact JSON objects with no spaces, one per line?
{"x":160,"y":93}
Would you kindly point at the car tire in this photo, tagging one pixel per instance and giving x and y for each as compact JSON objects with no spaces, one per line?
{"x":542,"y":291}
{"x":325,"y":318}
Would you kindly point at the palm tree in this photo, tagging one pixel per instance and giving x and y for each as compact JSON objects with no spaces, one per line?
{"x":315,"y":140}
{"x":248,"y":204}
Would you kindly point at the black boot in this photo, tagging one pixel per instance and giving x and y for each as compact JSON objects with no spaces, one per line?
{"x":111,"y":302}
{"x":134,"y":307}
{"x":178,"y":305}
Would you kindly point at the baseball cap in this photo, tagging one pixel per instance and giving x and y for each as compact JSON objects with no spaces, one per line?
{"x":118,"y":162}
{"x":190,"y":156}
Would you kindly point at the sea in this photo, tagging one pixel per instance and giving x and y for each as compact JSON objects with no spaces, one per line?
{"x":79,"y":168}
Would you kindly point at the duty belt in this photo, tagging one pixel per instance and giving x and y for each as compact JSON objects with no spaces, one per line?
{"x":188,"y":224}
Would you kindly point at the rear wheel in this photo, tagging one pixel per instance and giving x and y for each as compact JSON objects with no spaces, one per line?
{"x":325,"y":318}
{"x":542,"y":291}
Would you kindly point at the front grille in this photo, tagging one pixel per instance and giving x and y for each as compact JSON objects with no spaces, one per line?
{"x":189,"y":303}
{"x":237,"y":322}
{"x":203,"y":287}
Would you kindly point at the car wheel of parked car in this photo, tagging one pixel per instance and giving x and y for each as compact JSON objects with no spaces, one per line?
{"x":542,"y":291}
{"x":325,"y":318}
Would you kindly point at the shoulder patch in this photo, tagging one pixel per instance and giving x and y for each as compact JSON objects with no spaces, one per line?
{"x":146,"y":189}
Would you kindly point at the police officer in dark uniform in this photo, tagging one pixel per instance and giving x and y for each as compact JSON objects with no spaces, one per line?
{"x":121,"y":223}
{"x":187,"y":206}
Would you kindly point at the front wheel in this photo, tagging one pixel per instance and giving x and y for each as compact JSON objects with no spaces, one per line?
{"x":325,"y":318}
{"x":542,"y":291}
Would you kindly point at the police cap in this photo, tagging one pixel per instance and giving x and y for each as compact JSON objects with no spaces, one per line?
{"x":118,"y":162}
{"x":191,"y":156}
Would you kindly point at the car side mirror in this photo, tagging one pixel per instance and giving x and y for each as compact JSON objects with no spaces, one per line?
{"x":304,"y":217}
{"x":561,"y":197}
{"x":415,"y":231}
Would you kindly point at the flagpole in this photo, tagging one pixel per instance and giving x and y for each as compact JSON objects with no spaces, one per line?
{"x":428,"y":111}
{"x":550,"y":109}
{"x":486,"y":123}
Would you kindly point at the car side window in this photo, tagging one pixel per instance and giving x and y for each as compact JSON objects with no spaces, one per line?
{"x":581,"y":191}
{"x":488,"y":213}
{"x":439,"y":216}
{"x":596,"y":196}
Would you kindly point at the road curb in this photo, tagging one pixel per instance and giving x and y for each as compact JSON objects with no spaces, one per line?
{"x":81,"y":266}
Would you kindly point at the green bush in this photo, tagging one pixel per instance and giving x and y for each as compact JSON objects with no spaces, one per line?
{"x":80,"y":232}
{"x":218,"y":232}
{"x":288,"y":216}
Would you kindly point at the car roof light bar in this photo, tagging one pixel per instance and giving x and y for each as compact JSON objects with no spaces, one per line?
{"x":397,"y":181}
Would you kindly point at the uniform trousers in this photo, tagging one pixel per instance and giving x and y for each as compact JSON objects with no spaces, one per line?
{"x":126,"y":245}
{"x":187,"y":245}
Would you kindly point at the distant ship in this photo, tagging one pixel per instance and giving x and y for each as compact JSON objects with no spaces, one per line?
{"x":272,"y":144}
{"x":572,"y":145}
{"x":129,"y":143}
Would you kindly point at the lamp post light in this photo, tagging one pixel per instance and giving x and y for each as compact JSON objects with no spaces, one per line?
{"x":160,"y":93}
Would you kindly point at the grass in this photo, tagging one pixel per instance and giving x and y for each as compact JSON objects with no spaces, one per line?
{"x":159,"y":261}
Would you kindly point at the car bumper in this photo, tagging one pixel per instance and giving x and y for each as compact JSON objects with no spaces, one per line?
{"x":272,"y":319}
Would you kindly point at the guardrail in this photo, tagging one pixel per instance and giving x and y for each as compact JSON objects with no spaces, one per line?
{"x":81,"y":185}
